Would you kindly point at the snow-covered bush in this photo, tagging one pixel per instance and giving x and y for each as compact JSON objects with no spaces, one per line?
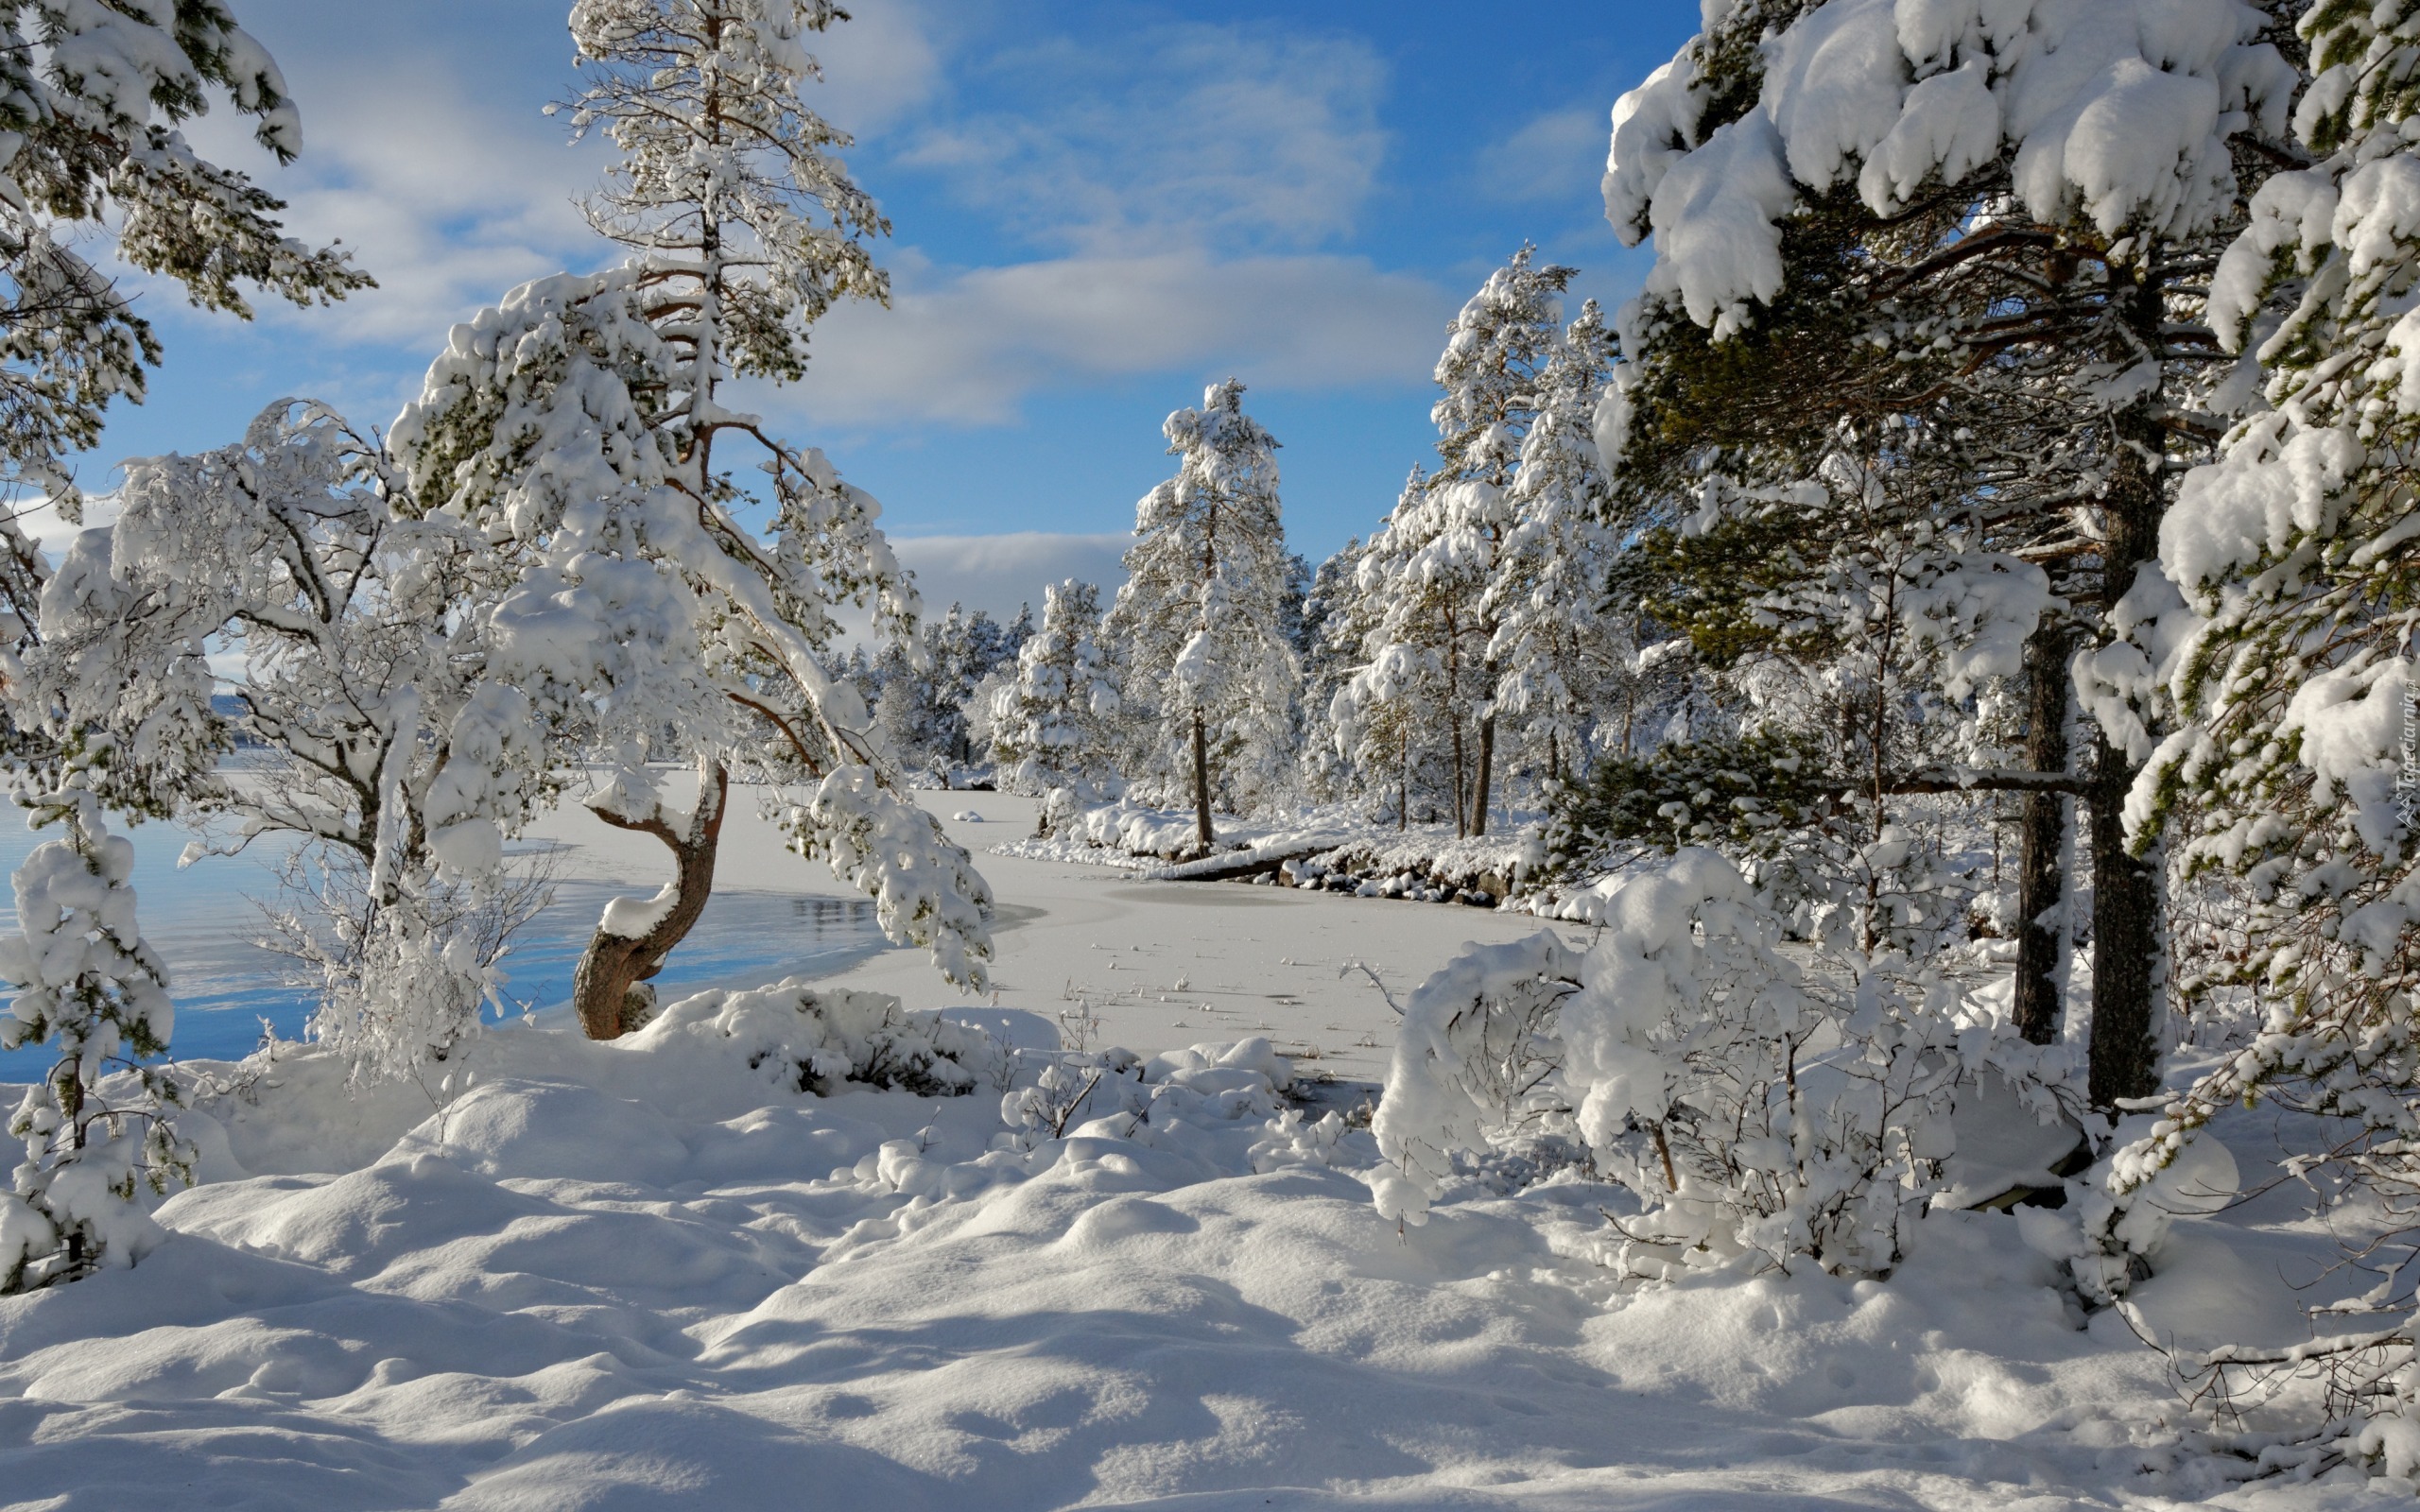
{"x":1075,"y":1089}
{"x":96,"y":1131}
{"x":811,"y":1039}
{"x":397,"y":999}
{"x":1749,"y":1112}
{"x":1116,"y":1091}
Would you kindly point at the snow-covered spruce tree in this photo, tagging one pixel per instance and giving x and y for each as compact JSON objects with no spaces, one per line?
{"x":1434,"y":570}
{"x":1333,"y":628}
{"x":1378,"y":720}
{"x":347,"y":628}
{"x":922,"y":710}
{"x":1554,"y":649}
{"x":1054,"y":725}
{"x":95,"y":1130}
{"x":1210,"y":679}
{"x":577,"y":426}
{"x":2294,"y":771}
{"x":1996,"y":229}
{"x":91,"y":96}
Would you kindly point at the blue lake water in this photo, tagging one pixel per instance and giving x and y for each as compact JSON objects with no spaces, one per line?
{"x":205,"y":919}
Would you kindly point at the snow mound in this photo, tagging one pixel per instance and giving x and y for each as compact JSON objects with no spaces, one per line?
{"x":647,"y":1273}
{"x":814,"y":1038}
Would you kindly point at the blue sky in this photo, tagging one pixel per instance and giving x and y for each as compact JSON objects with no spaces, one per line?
{"x":1098,"y":206}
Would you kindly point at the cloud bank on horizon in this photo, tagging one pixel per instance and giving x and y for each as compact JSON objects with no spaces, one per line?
{"x":1098,"y":207}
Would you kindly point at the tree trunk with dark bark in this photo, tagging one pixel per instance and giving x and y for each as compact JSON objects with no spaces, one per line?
{"x":2125,"y":948}
{"x":2125,"y":892}
{"x":608,"y":988}
{"x":1202,"y":783}
{"x":1486,"y":771}
{"x":2041,"y":882}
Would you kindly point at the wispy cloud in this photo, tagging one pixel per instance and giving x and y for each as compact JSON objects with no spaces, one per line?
{"x":999,"y":574}
{"x":966,"y":347}
{"x":1171,"y":189}
{"x":1189,"y":134}
{"x":451,"y":183}
{"x":1553,"y":157}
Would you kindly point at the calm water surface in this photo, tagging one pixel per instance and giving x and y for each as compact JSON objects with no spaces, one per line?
{"x":204,"y":920}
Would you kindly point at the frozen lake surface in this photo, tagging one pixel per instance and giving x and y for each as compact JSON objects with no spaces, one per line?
{"x":205,"y":920}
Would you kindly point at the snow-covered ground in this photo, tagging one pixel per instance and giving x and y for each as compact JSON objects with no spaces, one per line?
{"x":1161,"y":964}
{"x":651,"y":1274}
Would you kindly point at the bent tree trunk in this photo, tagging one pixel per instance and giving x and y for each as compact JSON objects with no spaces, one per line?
{"x":2041,"y":836}
{"x":1202,"y":783}
{"x":608,"y":988}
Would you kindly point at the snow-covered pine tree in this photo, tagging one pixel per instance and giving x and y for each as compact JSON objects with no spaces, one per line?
{"x":1383,"y":717}
{"x":579,"y":425}
{"x":1054,"y":725}
{"x":91,"y":97}
{"x":1333,"y":628}
{"x":1211,"y":680}
{"x":96,"y":1131}
{"x":1438,"y":560}
{"x":348,"y":629}
{"x":2295,"y":771}
{"x":1555,"y":651}
{"x":1958,"y":224}
{"x":964,"y":649}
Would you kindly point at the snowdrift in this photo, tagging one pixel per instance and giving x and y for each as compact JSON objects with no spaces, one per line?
{"x":657,"y":1272}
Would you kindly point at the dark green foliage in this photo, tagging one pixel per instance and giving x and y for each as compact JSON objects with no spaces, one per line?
{"x":1752,"y":794}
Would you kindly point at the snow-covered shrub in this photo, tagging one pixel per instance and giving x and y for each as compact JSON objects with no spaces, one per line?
{"x":1127,"y":825}
{"x":1116,"y":1092}
{"x":1062,"y":807}
{"x":812,"y":1038}
{"x":1749,"y":1112}
{"x":1293,"y":1140}
{"x":1076,"y":1089}
{"x":401,"y":984}
{"x":96,"y":1129}
{"x":396,"y":998}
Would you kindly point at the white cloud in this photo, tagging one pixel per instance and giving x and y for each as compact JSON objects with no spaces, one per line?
{"x":1168,"y":136}
{"x":1186,"y":172}
{"x":999,"y":574}
{"x":1555,"y":156}
{"x":451,"y":183}
{"x":967,"y":347}
{"x":877,"y":66}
